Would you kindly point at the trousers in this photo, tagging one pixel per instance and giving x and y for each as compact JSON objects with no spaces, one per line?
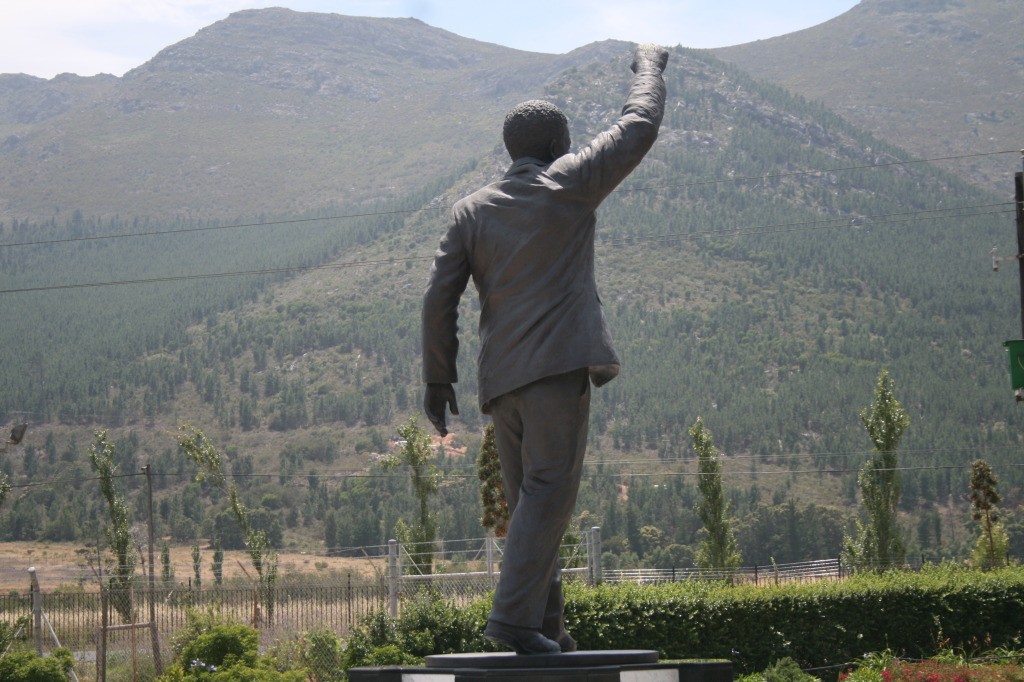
{"x":540,"y":430}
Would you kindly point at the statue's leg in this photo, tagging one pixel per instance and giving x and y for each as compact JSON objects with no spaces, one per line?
{"x":553,"y":626}
{"x":541,"y":434}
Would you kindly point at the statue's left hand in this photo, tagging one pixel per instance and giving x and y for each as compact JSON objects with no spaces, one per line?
{"x":436,"y":399}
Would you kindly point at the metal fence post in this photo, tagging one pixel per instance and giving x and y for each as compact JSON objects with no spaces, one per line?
{"x":101,"y":640}
{"x":489,"y":545}
{"x":595,"y":555}
{"x":37,"y":611}
{"x":393,"y":578}
{"x":153,"y":632}
{"x":591,"y":560}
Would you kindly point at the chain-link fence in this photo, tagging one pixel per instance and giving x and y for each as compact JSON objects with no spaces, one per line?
{"x":461,"y":571}
{"x":98,"y":636}
{"x":127,"y":635}
{"x":805,"y":571}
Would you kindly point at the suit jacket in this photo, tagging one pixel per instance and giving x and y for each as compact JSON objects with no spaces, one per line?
{"x":527,"y":241}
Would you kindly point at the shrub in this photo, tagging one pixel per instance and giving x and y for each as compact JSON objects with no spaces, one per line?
{"x":235,"y":673}
{"x":228,"y":653}
{"x":27,"y":666}
{"x":390,"y":654}
{"x":288,"y":652}
{"x":9,"y":631}
{"x":197,"y":622}
{"x":786,"y":670}
{"x":323,"y":655}
{"x":426,"y":626}
{"x":222,"y":646}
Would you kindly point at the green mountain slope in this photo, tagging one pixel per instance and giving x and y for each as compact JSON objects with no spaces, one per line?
{"x":937,"y":77}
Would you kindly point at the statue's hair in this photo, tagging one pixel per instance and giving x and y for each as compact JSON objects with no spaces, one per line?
{"x":531,"y":126}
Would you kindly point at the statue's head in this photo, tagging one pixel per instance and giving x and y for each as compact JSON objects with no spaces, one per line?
{"x":538,"y":129}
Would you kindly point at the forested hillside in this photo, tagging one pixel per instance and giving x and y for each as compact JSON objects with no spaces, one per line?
{"x":758,"y":270}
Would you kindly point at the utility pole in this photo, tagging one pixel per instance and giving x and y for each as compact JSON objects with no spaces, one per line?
{"x":158,"y":665}
{"x":1016,"y":347}
{"x":1018,"y":198}
{"x":37,"y":611}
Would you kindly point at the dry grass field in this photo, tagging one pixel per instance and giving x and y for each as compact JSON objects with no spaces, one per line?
{"x":60,"y":566}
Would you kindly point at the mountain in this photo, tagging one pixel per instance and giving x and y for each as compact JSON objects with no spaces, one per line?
{"x":937,"y":77}
{"x":266,"y":111}
{"x":759,"y":269}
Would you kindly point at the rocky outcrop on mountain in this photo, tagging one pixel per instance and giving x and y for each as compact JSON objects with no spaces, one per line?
{"x":267,"y":111}
{"x":937,"y":77}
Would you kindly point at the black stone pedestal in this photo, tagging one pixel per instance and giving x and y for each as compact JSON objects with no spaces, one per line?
{"x":579,"y":666}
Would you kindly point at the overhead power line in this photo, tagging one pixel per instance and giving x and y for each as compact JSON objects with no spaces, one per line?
{"x":328,"y":478}
{"x":861,"y":221}
{"x":846,"y":221}
{"x":802,"y":455}
{"x":774,"y":176}
{"x":209,"y":228}
{"x":215,"y":275}
{"x":58,"y":481}
{"x":375,"y":214}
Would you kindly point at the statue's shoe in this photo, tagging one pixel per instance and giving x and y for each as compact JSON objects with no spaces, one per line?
{"x":566,"y":642}
{"x":521,"y":640}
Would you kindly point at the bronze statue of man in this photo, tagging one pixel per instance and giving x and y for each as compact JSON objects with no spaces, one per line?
{"x":527,"y":241}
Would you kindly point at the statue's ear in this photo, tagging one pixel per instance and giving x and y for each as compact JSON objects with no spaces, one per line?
{"x":554,"y":150}
{"x":559,"y":147}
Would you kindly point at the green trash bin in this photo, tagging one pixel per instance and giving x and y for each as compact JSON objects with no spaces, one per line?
{"x":1016,"y":351}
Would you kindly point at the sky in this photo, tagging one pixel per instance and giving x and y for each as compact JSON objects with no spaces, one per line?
{"x":46,"y":37}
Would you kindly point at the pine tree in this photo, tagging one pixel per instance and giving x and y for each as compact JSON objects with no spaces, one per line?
{"x":167,"y":569}
{"x":878,"y":544}
{"x":205,"y":455}
{"x":718,"y":549}
{"x":331,"y":533}
{"x":118,"y":532}
{"x":415,"y":455}
{"x":217,"y":566}
{"x":991,"y":547}
{"x":197,"y":566}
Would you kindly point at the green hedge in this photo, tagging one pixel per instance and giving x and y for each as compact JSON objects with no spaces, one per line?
{"x":819,"y":624}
